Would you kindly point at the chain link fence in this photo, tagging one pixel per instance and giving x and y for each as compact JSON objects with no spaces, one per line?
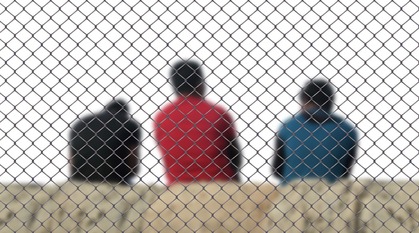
{"x":62,"y":60}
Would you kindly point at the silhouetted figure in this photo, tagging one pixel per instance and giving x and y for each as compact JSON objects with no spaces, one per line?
{"x":104,"y":147}
{"x":315,"y":142}
{"x":197,"y":139}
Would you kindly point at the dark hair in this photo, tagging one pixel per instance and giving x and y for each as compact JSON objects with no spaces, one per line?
{"x":319,"y":92}
{"x":186,"y":76}
{"x":117,"y":106}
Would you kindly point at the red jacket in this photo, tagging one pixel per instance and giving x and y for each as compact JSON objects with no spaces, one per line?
{"x":193,"y":136}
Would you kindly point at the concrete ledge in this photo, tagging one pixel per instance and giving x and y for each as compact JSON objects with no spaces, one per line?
{"x":306,"y":206}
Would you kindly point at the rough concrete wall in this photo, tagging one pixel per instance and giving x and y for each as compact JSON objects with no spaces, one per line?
{"x":308,"y":206}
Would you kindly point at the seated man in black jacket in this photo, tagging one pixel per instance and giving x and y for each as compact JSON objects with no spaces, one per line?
{"x":104,"y":147}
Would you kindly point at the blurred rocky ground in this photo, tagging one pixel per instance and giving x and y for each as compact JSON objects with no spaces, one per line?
{"x":304,"y":206}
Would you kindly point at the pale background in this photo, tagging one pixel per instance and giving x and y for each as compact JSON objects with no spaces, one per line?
{"x":61,"y":59}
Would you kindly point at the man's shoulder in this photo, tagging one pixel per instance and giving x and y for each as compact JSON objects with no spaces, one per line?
{"x":343,"y":122}
{"x":297,"y":119}
{"x":217,"y":107}
{"x":345,"y":125}
{"x":164,"y":110}
{"x":290,"y":125}
{"x":216,"y":111}
{"x":81,"y":122}
{"x":132,"y":123}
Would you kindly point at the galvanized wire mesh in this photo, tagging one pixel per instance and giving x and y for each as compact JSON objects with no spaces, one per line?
{"x":62,"y":60}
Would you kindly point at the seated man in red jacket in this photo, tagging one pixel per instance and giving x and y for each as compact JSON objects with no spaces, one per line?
{"x":197,"y":139}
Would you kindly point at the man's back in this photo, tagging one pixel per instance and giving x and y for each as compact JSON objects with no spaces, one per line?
{"x":317,"y":147}
{"x":102,"y":145}
{"x":194,"y":137}
{"x":315,"y":142}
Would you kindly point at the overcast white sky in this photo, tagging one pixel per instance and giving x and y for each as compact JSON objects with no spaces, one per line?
{"x":61,"y":59}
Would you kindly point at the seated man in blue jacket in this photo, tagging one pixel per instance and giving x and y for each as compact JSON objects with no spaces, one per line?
{"x":315,"y":142}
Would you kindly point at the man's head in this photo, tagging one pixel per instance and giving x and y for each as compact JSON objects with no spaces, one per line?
{"x":117,"y":106}
{"x":187,"y":78}
{"x":319,"y":93}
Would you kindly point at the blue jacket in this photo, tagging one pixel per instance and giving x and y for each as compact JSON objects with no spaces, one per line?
{"x":315,"y":144}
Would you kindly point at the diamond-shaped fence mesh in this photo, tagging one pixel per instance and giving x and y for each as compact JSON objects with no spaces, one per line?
{"x":157,"y":158}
